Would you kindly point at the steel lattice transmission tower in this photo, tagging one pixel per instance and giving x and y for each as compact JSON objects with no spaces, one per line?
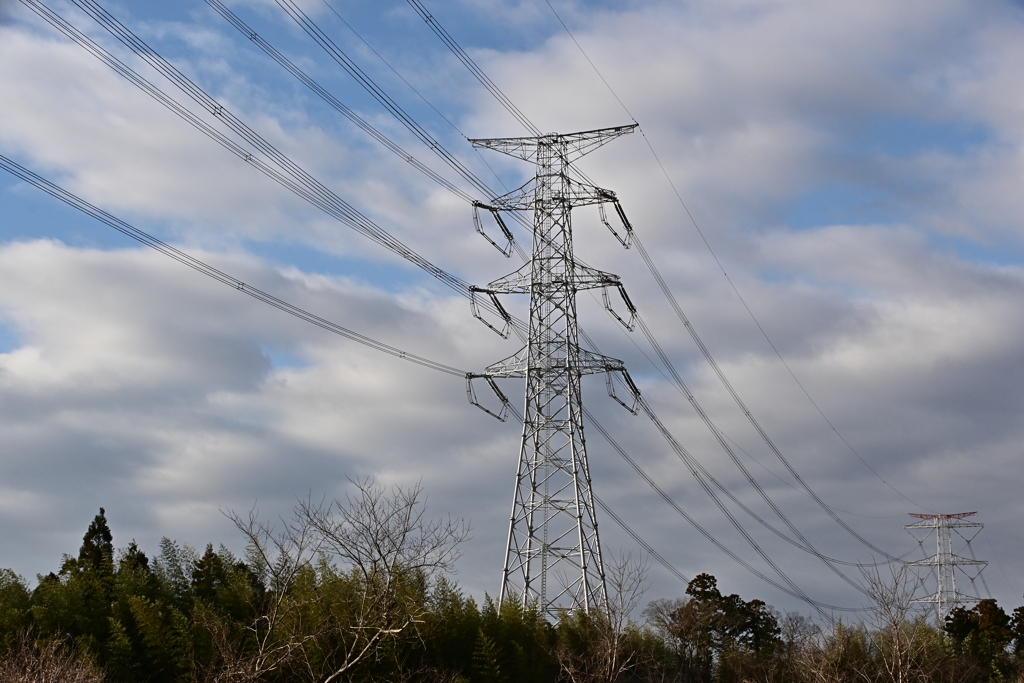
{"x":553,"y":556}
{"x":946,"y":597}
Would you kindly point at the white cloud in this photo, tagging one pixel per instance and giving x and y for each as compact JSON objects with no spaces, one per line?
{"x":829,"y":152}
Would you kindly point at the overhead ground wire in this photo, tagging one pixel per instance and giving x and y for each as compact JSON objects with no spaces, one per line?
{"x":292,"y":177}
{"x":489,"y":85}
{"x":332,"y":101}
{"x":299,"y":178}
{"x":707,"y":244}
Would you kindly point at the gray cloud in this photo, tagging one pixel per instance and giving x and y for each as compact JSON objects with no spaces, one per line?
{"x":137,"y":386}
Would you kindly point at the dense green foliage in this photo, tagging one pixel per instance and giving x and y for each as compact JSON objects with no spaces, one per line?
{"x":305,"y":606}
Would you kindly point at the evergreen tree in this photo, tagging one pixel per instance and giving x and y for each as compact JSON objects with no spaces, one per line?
{"x":15,"y":606}
{"x":486,"y":668}
{"x":78,"y":601}
{"x":1017,"y":629}
{"x":97,"y":551}
{"x":982,"y":634}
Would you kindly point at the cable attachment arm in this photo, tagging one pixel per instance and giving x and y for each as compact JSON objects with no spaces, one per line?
{"x":626,"y":241}
{"x":507,"y":249}
{"x":474,"y":307}
{"x":628,"y":324}
{"x":502,"y":413}
{"x":631,"y":387}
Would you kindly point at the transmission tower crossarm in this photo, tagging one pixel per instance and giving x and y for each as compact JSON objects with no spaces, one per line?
{"x":576,"y":144}
{"x":945,"y":562}
{"x":956,"y":515}
{"x":553,"y":530}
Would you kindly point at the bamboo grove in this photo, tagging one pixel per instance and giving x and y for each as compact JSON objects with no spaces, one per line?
{"x":361,"y":590}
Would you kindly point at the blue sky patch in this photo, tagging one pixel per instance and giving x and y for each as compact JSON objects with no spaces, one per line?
{"x":834,"y":204}
{"x":8,"y":338}
{"x":997,"y":254}
{"x":281,"y":359}
{"x":903,"y":136}
{"x":30,"y":214}
{"x":386,"y":276}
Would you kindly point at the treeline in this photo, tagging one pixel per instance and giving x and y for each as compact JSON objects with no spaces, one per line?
{"x":357,"y":591}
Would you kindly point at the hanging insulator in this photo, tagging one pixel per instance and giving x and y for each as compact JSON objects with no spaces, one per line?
{"x":475,"y":308}
{"x":626,"y":241}
{"x":631,"y":323}
{"x":502,"y":413}
{"x":507,"y":250}
{"x":630,"y":386}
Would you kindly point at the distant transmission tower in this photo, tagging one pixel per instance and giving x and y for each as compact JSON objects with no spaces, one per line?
{"x":553,"y":554}
{"x":946,"y":597}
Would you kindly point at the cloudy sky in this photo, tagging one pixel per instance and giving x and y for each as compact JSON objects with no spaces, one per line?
{"x":856,"y":168}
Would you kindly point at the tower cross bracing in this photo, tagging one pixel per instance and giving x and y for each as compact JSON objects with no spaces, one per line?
{"x":553,"y":554}
{"x":945,"y":562}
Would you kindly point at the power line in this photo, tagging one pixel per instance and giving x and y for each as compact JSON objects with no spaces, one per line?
{"x":292,"y":177}
{"x":216,"y":110}
{"x":687,"y":459}
{"x":321,"y":38}
{"x":414,"y":89}
{"x":393,"y":69}
{"x":181,"y":257}
{"x":125,"y":228}
{"x":636,"y":537}
{"x":791,"y":590}
{"x":330,"y":99}
{"x":365,"y":126}
{"x":707,"y":244}
{"x":471,"y":65}
{"x":342,"y":59}
{"x":707,"y":354}
{"x":121,"y":226}
{"x":692,"y":462}
{"x":739,"y":402}
{"x":801,"y":491}
{"x":504,"y":100}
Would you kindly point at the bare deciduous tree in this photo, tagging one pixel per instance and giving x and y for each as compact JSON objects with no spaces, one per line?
{"x":278,"y":556}
{"x":344,"y":579}
{"x":384,"y":538}
{"x":601,"y":655}
{"x":900,"y":641}
{"x":55,"y":661}
{"x":896,"y":644}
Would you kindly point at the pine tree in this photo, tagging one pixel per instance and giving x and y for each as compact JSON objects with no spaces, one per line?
{"x":97,"y":551}
{"x":485,"y":661}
